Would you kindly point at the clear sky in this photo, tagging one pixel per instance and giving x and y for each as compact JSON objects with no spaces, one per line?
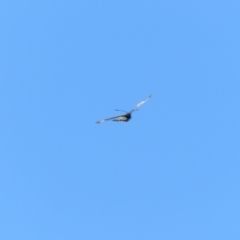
{"x":172,"y":172}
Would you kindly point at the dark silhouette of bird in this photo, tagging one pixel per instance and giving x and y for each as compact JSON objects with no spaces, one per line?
{"x":126,"y":117}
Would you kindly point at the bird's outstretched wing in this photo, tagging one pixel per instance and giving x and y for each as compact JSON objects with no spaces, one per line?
{"x":141,"y":103}
{"x":117,"y":118}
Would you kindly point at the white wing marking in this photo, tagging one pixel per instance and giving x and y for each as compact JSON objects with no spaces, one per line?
{"x":106,"y":119}
{"x":141,"y":103}
{"x":121,"y":118}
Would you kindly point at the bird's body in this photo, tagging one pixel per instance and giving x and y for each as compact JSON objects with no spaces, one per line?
{"x":126,"y":117}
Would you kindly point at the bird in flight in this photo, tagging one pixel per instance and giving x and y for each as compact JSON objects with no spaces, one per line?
{"x":126,"y":117}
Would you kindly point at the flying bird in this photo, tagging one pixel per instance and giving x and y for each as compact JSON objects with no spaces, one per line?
{"x":126,"y":117}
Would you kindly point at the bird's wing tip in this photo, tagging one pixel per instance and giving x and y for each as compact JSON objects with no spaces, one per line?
{"x":100,"y":121}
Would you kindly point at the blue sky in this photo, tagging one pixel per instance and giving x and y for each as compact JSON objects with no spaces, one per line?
{"x":172,"y":172}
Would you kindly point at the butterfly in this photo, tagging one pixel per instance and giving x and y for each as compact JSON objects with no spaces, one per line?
{"x":126,"y":117}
